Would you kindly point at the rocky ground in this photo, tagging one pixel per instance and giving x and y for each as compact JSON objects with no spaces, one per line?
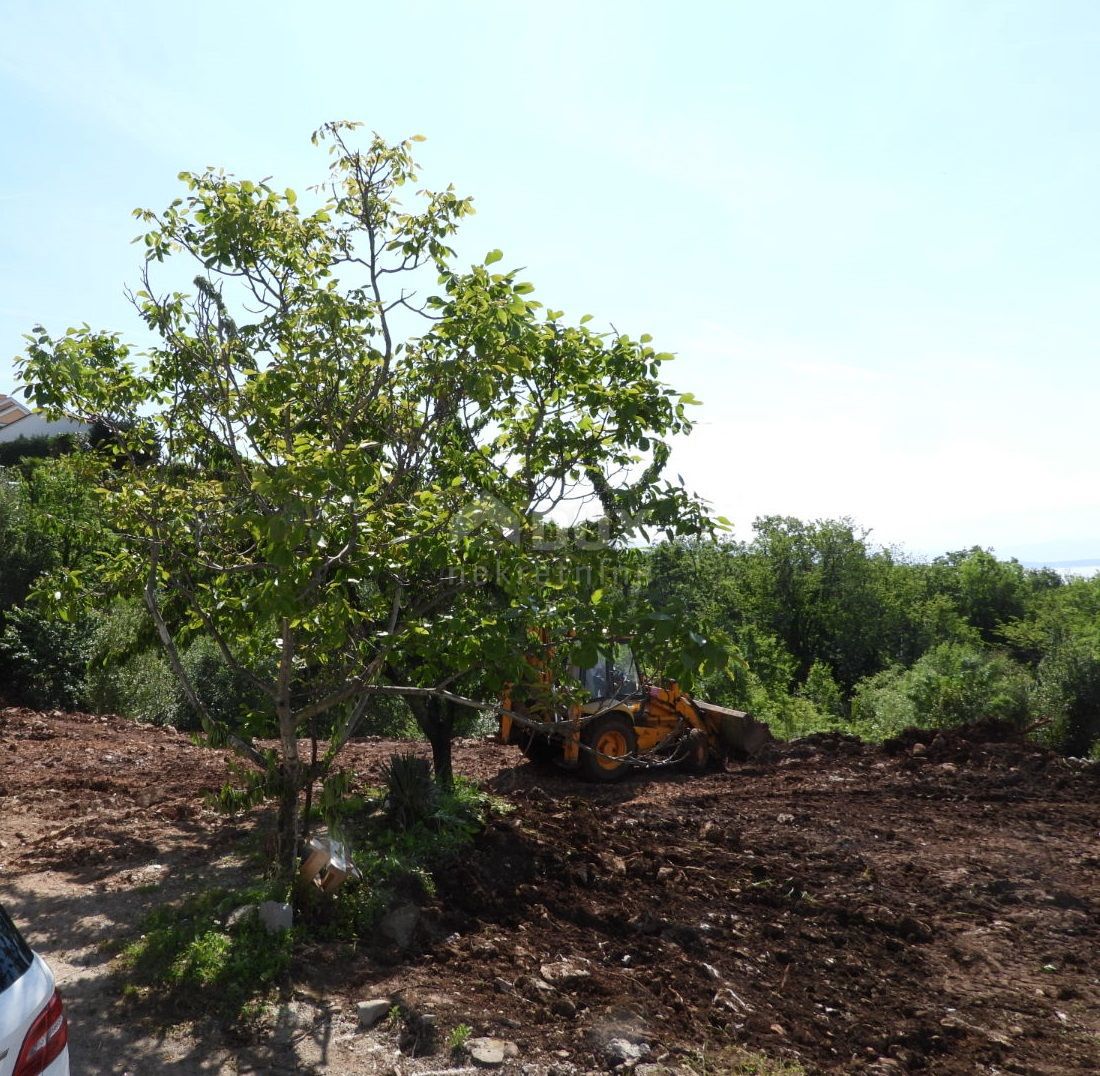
{"x":930,"y":905}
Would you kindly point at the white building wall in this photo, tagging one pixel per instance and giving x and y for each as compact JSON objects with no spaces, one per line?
{"x":36,"y":426}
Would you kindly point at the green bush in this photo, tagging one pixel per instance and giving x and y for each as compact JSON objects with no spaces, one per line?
{"x":952,"y":684}
{"x":390,"y":716}
{"x":823,"y":691}
{"x":45,"y":446}
{"x":226,"y":694}
{"x":126,"y":675}
{"x":411,"y":794}
{"x":44,"y":659}
{"x":129,"y":674}
{"x":393,"y":858}
{"x":141,"y":687}
{"x":1068,"y":693}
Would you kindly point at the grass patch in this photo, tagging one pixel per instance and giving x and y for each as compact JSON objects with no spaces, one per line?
{"x":735,"y":1061}
{"x":186,"y":959}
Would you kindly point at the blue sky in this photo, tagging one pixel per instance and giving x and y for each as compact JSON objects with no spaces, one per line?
{"x":869,"y":230}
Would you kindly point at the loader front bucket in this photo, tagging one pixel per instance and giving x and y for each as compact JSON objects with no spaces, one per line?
{"x":739,"y":733}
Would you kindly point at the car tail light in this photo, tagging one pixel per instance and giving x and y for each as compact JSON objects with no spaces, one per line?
{"x":48,"y":1036}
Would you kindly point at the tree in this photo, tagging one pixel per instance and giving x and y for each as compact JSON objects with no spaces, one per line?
{"x":816,"y":587}
{"x":360,"y":446}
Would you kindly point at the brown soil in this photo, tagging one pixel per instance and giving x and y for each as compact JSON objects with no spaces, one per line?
{"x":931,"y":905}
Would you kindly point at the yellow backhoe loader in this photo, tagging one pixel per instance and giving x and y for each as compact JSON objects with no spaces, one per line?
{"x":626,"y":724}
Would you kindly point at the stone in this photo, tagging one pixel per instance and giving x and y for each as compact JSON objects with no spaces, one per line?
{"x":399,"y":925}
{"x":370,"y":1012}
{"x":276,"y":917}
{"x":624,"y":1052}
{"x":563,"y":1006}
{"x":535,"y":989}
{"x":240,"y":915}
{"x":712,"y":833}
{"x":613,"y":864}
{"x":785,"y":819}
{"x":491,"y":1051}
{"x":567,"y":971}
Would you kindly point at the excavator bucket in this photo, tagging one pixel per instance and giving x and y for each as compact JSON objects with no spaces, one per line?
{"x":740,"y":734}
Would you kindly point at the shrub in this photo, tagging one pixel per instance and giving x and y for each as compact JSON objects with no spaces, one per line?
{"x":129,"y":674}
{"x":224,"y":691}
{"x":953,"y":684}
{"x":823,"y":691}
{"x":1068,"y":693}
{"x":44,"y":659}
{"x":411,"y":794}
{"x":44,"y":446}
{"x":141,"y":687}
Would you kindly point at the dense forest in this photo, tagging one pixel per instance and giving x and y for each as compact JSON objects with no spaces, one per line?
{"x":823,"y":629}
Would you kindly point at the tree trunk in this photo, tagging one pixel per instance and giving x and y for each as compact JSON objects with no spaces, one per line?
{"x":436,"y":718}
{"x":441,"y":755}
{"x":286,"y":826}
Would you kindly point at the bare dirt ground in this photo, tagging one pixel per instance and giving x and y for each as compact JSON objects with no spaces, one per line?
{"x":932,"y":905}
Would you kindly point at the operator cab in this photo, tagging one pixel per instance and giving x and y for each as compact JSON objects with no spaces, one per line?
{"x":614,"y":676}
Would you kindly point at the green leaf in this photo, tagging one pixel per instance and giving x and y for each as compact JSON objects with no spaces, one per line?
{"x":493,"y":256}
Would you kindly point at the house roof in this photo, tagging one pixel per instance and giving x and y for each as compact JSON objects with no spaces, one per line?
{"x":11,"y":411}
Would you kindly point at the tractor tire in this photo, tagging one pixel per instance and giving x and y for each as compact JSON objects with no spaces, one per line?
{"x":611,"y":739}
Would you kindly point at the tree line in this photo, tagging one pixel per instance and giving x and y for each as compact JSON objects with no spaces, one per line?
{"x":833,"y":632}
{"x":822,"y":629}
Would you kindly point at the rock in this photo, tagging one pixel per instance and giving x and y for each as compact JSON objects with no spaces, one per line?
{"x":563,"y":1006}
{"x":566,"y":972}
{"x":370,"y":1012}
{"x":399,"y":925}
{"x":918,"y":750}
{"x":711,"y":832}
{"x":535,"y":989}
{"x":613,"y":864}
{"x":275,"y":916}
{"x":490,"y":1051}
{"x":711,"y":972}
{"x":240,"y":915}
{"x":624,"y":1052}
{"x":785,"y":819}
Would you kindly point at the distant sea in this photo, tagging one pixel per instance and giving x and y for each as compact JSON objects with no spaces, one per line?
{"x":1082,"y":568}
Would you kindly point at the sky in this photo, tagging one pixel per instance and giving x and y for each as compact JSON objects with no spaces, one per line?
{"x":870,"y":231}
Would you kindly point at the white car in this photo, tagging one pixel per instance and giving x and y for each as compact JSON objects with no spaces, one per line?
{"x":34,"y":1034}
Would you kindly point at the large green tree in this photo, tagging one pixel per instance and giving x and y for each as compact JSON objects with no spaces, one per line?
{"x":360,"y":445}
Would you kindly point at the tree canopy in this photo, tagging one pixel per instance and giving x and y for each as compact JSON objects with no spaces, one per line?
{"x":344,"y":455}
